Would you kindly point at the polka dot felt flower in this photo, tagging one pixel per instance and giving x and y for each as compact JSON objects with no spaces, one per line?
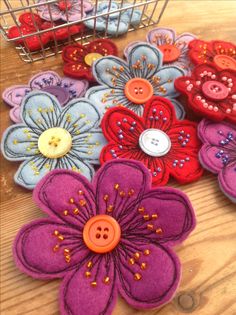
{"x":114,"y":236}
{"x":219,"y":53}
{"x":210,"y":92}
{"x":79,"y":59}
{"x":64,"y":89}
{"x":174,"y":47}
{"x":66,"y":10}
{"x":218,"y":153}
{"x":164,"y":144}
{"x":131,"y":84}
{"x":53,"y":137}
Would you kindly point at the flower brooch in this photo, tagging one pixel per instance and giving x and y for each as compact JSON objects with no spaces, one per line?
{"x":131,"y":84}
{"x":165,"y":145}
{"x":64,"y":89}
{"x":211,"y":92}
{"x":53,"y":137}
{"x":218,"y":153}
{"x":79,"y":59}
{"x":111,"y":236}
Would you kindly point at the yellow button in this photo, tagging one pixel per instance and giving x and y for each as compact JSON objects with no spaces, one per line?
{"x":91,"y":57}
{"x":55,"y":142}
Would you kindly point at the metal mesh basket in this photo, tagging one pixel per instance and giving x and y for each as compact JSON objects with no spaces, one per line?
{"x":150,"y":10}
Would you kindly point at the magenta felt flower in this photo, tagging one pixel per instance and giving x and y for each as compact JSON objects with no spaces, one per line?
{"x":218,"y":153}
{"x":111,"y":236}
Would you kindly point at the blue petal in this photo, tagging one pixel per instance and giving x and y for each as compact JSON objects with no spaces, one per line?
{"x":179,"y":109}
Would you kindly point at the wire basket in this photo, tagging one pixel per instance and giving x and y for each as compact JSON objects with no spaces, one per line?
{"x":151,"y":12}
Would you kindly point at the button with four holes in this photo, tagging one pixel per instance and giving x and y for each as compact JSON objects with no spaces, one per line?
{"x":215,"y":90}
{"x":101,"y":233}
{"x":225,"y":62}
{"x":170,"y":52}
{"x":138,"y":90}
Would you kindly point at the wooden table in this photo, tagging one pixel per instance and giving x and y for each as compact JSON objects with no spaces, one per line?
{"x":208,"y":285}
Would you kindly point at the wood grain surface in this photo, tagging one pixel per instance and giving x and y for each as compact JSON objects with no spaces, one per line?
{"x":208,"y":285}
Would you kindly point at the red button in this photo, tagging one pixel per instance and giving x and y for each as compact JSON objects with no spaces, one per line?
{"x":225,"y":62}
{"x":170,"y":53}
{"x":101,"y":233}
{"x":138,"y":90}
{"x":215,"y":90}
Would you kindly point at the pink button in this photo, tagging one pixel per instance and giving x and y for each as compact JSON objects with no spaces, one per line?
{"x":215,"y":90}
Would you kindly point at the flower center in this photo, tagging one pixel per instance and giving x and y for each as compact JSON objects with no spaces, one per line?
{"x":64,"y":5}
{"x":154,"y":142}
{"x":170,"y":52}
{"x":138,"y":90}
{"x":225,"y":62}
{"x":60,"y":93}
{"x":215,"y":90}
{"x":91,"y":57}
{"x":55,"y":142}
{"x":101,"y":233}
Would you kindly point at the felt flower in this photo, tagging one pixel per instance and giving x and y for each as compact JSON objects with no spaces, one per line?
{"x":116,"y":23}
{"x":211,"y":93}
{"x":131,"y":84}
{"x":165,"y":145}
{"x":218,"y":153}
{"x":66,"y":10}
{"x":112,"y":236}
{"x":217,"y":53}
{"x":174,"y":48}
{"x":53,"y":137}
{"x":79,"y":59}
{"x":64,"y":89}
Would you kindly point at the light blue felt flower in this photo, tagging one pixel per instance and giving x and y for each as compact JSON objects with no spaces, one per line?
{"x":115,"y":23}
{"x":52,"y":137}
{"x":114,"y":76}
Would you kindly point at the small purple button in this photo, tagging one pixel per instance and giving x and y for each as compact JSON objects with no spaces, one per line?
{"x":61,"y":94}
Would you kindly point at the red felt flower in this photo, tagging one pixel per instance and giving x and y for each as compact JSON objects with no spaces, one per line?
{"x":219,"y":53}
{"x":211,"y":93}
{"x":79,"y":59}
{"x":167,"y":146}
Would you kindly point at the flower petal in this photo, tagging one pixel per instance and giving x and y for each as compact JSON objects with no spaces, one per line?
{"x":43,"y":79}
{"x":74,"y":53}
{"x":15,"y":114}
{"x":76,"y":88}
{"x":78,"y":296}
{"x":40,"y":111}
{"x":227,"y":180}
{"x":183,"y":40}
{"x":18,"y":143}
{"x":14,"y":95}
{"x":78,"y":71}
{"x":158,"y":282}
{"x":179,"y":109}
{"x":161,"y":36}
{"x":66,"y":196}
{"x":39,"y":253}
{"x":208,"y":158}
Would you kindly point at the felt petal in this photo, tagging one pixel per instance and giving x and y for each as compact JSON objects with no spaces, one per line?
{"x":117,"y":151}
{"x":78,"y":296}
{"x":76,"y":88}
{"x":161,"y":36}
{"x":111,"y":71}
{"x":144,"y":60}
{"x":40,"y":253}
{"x":74,"y":53}
{"x":183,"y":40}
{"x":18,"y":143}
{"x":158,"y":282}
{"x":208,"y":158}
{"x":54,"y":14}
{"x":61,"y":192}
{"x":14,"y":95}
{"x":227,"y":180}
{"x":44,"y":79}
{"x":129,"y":47}
{"x":14,"y":114}
{"x":78,"y":71}
{"x":159,"y":171}
{"x":179,"y":109}
{"x":40,"y":111}
{"x":115,"y":191}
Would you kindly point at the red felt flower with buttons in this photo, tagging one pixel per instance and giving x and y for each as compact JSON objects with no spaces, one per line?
{"x":219,"y":53}
{"x":211,"y":93}
{"x":167,"y":146}
{"x":79,"y":59}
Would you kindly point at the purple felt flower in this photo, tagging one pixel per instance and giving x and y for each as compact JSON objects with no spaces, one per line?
{"x":218,"y":153}
{"x":64,"y":89}
{"x":111,"y":236}
{"x":66,"y":10}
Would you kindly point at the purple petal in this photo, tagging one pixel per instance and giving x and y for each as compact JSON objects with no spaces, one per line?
{"x":76,"y":88}
{"x":183,"y":40}
{"x":209,"y":160}
{"x":227,"y":181}
{"x":161,"y":36}
{"x":15,"y":114}
{"x":13,"y":95}
{"x":44,"y":79}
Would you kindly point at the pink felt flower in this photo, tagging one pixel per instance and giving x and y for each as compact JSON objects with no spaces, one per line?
{"x":111,"y":236}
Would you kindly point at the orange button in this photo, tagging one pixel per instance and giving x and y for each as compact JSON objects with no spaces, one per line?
{"x":170,"y":52}
{"x":138,"y":90}
{"x":101,"y":233}
{"x":225,"y":62}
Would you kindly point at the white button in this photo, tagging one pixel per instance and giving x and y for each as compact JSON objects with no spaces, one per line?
{"x":154,"y":142}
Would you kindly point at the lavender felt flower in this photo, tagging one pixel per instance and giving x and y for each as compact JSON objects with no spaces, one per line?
{"x":66,"y":10}
{"x":218,"y":153}
{"x":111,"y":236}
{"x":64,"y":89}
